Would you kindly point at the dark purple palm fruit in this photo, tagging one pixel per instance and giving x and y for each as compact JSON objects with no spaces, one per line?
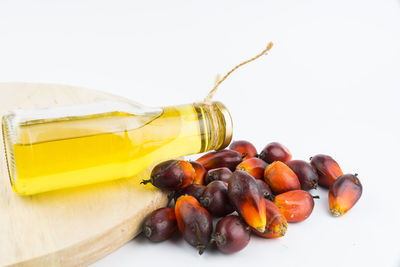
{"x":194,"y":190}
{"x":218,"y":174}
{"x":215,"y":199}
{"x":231,"y":234}
{"x":306,"y":173}
{"x":265,"y":189}
{"x":221,"y":158}
{"x":160,"y":224}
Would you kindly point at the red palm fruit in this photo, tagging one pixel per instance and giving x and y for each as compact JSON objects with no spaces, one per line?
{"x":275,"y":152}
{"x":265,"y":190}
{"x":280,"y":178}
{"x":160,"y":224}
{"x":246,"y":197}
{"x":245,"y":148}
{"x":194,"y":190}
{"x":306,"y":174}
{"x":295,"y":205}
{"x":218,"y":174}
{"x":194,"y":222}
{"x":327,"y":168}
{"x":215,"y":199}
{"x":172,"y":175}
{"x":200,"y":172}
{"x":221,"y":158}
{"x":231,"y":234}
{"x":344,"y":194}
{"x":254,"y":166}
{"x":276,"y":222}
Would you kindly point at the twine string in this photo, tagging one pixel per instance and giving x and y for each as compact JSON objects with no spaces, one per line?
{"x":218,"y":81}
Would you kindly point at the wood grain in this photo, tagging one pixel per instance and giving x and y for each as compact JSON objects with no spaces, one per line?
{"x":70,"y":227}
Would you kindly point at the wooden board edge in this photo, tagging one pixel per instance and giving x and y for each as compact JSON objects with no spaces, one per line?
{"x":90,"y":250}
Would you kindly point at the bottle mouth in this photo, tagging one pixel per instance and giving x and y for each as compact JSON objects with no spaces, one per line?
{"x":227,"y":118}
{"x":7,"y":128}
{"x":217,"y":125}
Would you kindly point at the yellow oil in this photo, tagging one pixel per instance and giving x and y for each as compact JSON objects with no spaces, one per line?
{"x":96,"y":156}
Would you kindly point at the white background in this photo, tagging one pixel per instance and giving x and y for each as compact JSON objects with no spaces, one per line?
{"x":330,"y":85}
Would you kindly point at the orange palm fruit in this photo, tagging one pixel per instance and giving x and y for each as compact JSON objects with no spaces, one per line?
{"x":200,"y":172}
{"x":295,"y":205}
{"x":254,"y":166}
{"x":276,"y":222}
{"x":344,"y":194}
{"x":194,"y":222}
{"x":327,"y":168}
{"x":246,"y":197}
{"x":280,"y":178}
{"x":245,"y":148}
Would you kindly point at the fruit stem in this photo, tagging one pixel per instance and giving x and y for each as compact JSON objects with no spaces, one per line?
{"x":244,"y":155}
{"x":201,"y":249}
{"x":205,"y":202}
{"x":145,"y":181}
{"x":314,"y":185}
{"x":269,"y":196}
{"x":212,"y":92}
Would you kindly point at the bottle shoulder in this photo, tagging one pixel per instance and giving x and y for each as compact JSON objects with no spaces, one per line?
{"x":29,"y":126}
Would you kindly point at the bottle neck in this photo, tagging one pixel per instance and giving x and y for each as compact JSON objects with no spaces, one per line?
{"x":215,"y":125}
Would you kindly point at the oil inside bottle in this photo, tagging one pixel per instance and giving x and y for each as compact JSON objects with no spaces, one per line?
{"x":51,"y":152}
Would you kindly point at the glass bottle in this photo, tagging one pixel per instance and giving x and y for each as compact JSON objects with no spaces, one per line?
{"x":60,"y":147}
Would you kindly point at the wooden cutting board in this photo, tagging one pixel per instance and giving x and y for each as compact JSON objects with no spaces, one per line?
{"x":70,"y":227}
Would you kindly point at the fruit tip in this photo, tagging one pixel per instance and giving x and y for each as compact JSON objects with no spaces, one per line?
{"x":336,"y":213}
{"x":147,"y":231}
{"x":261,"y":229}
{"x":283,"y":229}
